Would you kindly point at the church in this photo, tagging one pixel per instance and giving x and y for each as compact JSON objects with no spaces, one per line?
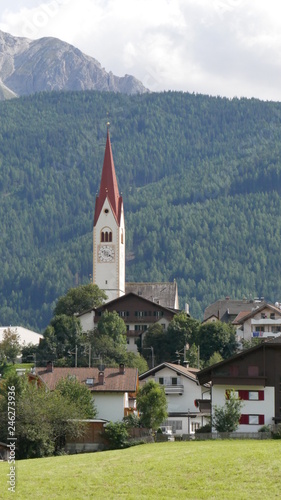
{"x":139,"y":304}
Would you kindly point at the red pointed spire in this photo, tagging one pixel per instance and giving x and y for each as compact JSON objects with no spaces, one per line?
{"x":108,"y":185}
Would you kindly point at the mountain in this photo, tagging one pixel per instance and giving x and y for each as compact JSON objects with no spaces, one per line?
{"x":201,"y":183}
{"x":28,"y":66}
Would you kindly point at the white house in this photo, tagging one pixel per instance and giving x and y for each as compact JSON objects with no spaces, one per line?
{"x":25,"y":336}
{"x":113,"y":389}
{"x":255,"y":375}
{"x":182,"y":390}
{"x":262,"y":322}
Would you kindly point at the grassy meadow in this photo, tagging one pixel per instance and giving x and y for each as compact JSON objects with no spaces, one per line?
{"x":174,"y":470}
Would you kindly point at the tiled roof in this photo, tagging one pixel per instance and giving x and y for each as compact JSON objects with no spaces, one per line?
{"x":240,"y":316}
{"x":113,"y":380}
{"x":165,"y":294}
{"x":223,"y":308}
{"x":259,"y":309}
{"x":187,"y":372}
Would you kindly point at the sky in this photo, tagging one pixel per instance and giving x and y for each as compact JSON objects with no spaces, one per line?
{"x":228,"y":48}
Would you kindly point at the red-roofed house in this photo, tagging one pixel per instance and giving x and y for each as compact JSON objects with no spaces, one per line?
{"x":113,"y":389}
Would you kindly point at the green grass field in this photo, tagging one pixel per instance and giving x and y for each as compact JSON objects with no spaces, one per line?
{"x":174,"y":470}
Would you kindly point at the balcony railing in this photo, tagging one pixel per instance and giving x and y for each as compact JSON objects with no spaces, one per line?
{"x":174,"y":389}
{"x":267,"y":321}
{"x":266,"y":334}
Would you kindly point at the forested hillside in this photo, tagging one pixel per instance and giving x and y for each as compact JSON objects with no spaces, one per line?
{"x":201,"y":182}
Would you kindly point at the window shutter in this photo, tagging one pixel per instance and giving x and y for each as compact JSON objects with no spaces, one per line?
{"x":261,"y":395}
{"x":244,"y":419}
{"x":244,"y":395}
{"x":261,"y":418}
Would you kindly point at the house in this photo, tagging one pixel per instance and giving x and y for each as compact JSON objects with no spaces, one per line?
{"x":255,"y":374}
{"x":262,"y":322}
{"x":182,"y":390}
{"x":227,"y":309}
{"x":137,"y":312}
{"x":25,"y":336}
{"x":113,"y":389}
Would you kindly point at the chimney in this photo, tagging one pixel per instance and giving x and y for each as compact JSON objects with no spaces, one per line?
{"x":101,"y":377}
{"x":50,"y":366}
{"x":121,"y":368}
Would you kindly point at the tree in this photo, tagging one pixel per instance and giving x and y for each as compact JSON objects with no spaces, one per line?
{"x":108,"y":340}
{"x":10,"y":346}
{"x":192,"y":356}
{"x":226,"y":418}
{"x":43,"y":418}
{"x":135,"y":360}
{"x":72,"y":390}
{"x":216,"y":337}
{"x":152,"y":404}
{"x":181,"y":331}
{"x":60,"y":339}
{"x":156,"y":337}
{"x":215,"y":358}
{"x":80,"y":299}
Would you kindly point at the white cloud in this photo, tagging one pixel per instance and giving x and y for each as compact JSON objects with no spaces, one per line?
{"x":219,"y":47}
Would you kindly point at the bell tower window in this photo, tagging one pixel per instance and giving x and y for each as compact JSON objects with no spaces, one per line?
{"x":106,"y":235}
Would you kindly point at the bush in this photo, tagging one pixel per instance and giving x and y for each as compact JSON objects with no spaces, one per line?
{"x":205,"y":429}
{"x":117,"y":434}
{"x":265,"y":428}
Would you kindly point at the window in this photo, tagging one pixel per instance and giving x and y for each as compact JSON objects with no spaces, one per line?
{"x":90,"y":381}
{"x":161,"y":380}
{"x":106,"y":235}
{"x":158,"y":314}
{"x":253,"y":396}
{"x":194,"y":426}
{"x":251,"y":420}
{"x":253,"y":371}
{"x":233,"y":371}
{"x":122,"y":314}
{"x":272,"y":315}
{"x":174,"y":381}
{"x":247,"y":395}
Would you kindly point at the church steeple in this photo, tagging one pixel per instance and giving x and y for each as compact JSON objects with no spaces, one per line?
{"x":108,"y":185}
{"x":109,"y":232}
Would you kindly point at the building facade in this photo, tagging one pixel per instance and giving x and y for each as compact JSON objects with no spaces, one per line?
{"x":182,"y":390}
{"x":255,"y":376}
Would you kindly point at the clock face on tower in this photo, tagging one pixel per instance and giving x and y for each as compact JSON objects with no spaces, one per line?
{"x":106,"y":253}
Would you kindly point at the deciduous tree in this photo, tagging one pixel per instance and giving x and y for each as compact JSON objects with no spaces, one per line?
{"x":152,"y":404}
{"x":226,"y":418}
{"x":79,"y":299}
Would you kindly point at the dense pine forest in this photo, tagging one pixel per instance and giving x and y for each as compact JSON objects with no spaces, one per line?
{"x":200,"y":178}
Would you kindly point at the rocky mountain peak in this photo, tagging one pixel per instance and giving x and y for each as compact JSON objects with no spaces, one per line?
{"x":28,"y":66}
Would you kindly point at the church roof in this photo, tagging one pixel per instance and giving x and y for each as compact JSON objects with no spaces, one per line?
{"x":108,"y":185}
{"x":164,"y":294}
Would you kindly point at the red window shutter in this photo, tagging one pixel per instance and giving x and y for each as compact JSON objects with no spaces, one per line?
{"x":244,"y":419}
{"x":261,"y":419}
{"x":261,"y":395}
{"x":244,"y":395}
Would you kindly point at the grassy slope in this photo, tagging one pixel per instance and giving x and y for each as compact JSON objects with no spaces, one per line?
{"x":185,"y":470}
